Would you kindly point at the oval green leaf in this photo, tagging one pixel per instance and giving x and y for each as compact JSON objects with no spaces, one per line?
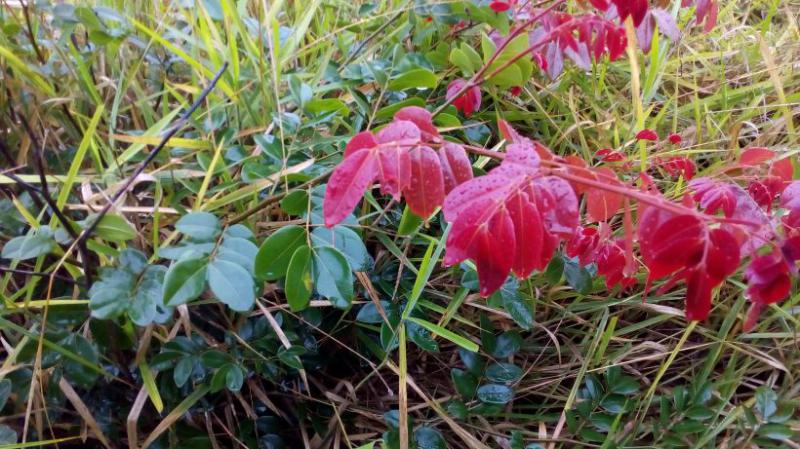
{"x":298,"y":279}
{"x":276,"y":252}
{"x":185,"y":281}
{"x":231,"y":284}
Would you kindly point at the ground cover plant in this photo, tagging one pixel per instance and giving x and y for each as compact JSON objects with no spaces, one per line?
{"x":479,"y":224}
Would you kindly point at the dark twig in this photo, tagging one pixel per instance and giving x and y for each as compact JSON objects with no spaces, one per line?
{"x":168,"y":134}
{"x":355,"y":53}
{"x":270,"y":200}
{"x":4,"y":269}
{"x":44,"y":192}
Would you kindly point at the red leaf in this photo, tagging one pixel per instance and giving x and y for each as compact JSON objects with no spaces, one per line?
{"x":400,"y":132}
{"x":347,"y":185}
{"x":722,"y":254}
{"x":425,"y":192}
{"x":469,"y":101}
{"x":456,"y":167}
{"x":504,"y":220}
{"x":394,"y":170}
{"x":557,"y":203}
{"x":756,"y":156}
{"x":677,"y":166}
{"x":767,"y":279}
{"x":361,"y":141}
{"x":529,"y":235}
{"x":420,"y":117}
{"x":714,"y":196}
{"x":647,"y":134}
{"x":782,"y":169}
{"x":672,"y":245}
{"x":583,"y":245}
{"x":609,"y":155}
{"x":603,"y":204}
{"x":509,"y":133}
{"x":790,"y":198}
{"x":464,"y":196}
{"x":698,"y":295}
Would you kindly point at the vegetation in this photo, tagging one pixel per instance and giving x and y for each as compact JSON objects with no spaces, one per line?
{"x":585,"y":232}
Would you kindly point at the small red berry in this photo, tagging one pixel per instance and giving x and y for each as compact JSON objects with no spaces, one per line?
{"x":515,"y":90}
{"x":674,"y":139}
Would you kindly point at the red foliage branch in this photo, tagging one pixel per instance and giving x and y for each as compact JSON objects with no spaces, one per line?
{"x":514,"y":218}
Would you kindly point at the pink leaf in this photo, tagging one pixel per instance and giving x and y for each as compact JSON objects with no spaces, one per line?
{"x":603,"y":204}
{"x":347,"y":185}
{"x":425,"y":192}
{"x":420,"y":117}
{"x":362,"y":141}
{"x":400,"y":132}
{"x":456,"y":167}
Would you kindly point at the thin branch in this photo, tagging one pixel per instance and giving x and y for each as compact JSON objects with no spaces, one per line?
{"x":168,"y":134}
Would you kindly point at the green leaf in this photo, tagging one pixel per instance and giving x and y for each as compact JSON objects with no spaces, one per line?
{"x":780,"y":432}
{"x":234,"y":378}
{"x":295,"y":203}
{"x":232,"y":284}
{"x":578,"y":277}
{"x":8,"y":436}
{"x":689,"y":426}
{"x":114,"y":228}
{"x":369,"y":313}
{"x":459,"y":59}
{"x":417,"y":78}
{"x":505,"y":373}
{"x":199,"y":226}
{"x":766,"y":401}
{"x":298,"y":279}
{"x":332,"y":276}
{"x":327,"y":105}
{"x":429,"y":438}
{"x":466,"y":384}
{"x":554,"y":270}
{"x":506,"y":344}
{"x":421,"y":337}
{"x":27,"y":246}
{"x":347,"y":242}
{"x":388,"y":112}
{"x":700,"y":413}
{"x":5,"y":392}
{"x":185,"y":281}
{"x":409,"y":223}
{"x":110,"y":299}
{"x":239,"y":251}
{"x":519,"y":309}
{"x":132,"y":260}
{"x":495,"y":394}
{"x":272,"y":259}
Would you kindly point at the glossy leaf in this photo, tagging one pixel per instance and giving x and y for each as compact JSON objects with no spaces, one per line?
{"x":199,"y":226}
{"x":231,"y":284}
{"x":298,"y":283}
{"x":272,"y":259}
{"x":332,"y":276}
{"x":185,"y":280}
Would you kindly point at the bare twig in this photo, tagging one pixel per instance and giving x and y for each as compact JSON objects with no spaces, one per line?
{"x":168,"y":134}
